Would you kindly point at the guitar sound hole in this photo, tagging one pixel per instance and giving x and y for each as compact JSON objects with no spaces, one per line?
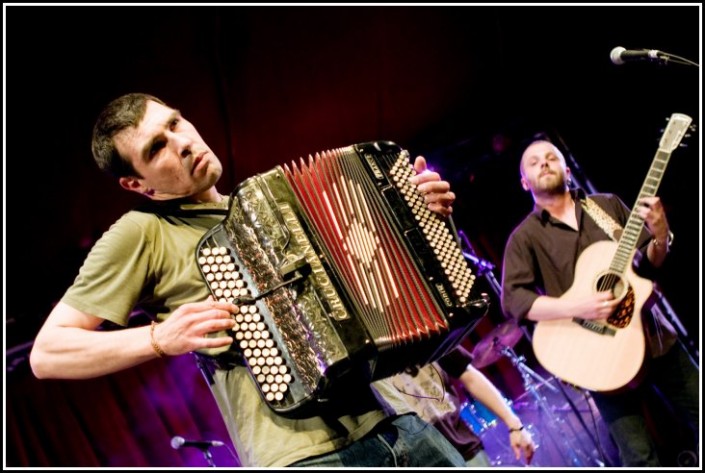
{"x":621,"y":317}
{"x":613,"y":283}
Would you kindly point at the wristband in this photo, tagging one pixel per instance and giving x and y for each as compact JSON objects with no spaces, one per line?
{"x":157,"y":349}
{"x":518,"y":429}
{"x":667,"y":243}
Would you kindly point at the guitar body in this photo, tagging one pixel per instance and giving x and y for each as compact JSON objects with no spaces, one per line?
{"x":580,"y":354}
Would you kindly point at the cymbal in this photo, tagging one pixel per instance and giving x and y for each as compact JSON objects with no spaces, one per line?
{"x":489,"y":349}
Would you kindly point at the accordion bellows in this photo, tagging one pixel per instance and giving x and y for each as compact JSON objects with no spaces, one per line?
{"x":340,"y":271}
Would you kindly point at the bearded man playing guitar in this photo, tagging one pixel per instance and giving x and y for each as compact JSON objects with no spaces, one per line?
{"x":588,"y":327}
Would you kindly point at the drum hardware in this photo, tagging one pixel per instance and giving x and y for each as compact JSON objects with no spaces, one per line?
{"x":489,"y":350}
{"x":572,"y":454}
{"x":477,"y":416}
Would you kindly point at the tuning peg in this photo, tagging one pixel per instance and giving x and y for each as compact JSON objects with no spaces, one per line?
{"x":683,"y":144}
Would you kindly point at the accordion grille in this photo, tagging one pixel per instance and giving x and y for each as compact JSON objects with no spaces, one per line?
{"x":352,"y":218}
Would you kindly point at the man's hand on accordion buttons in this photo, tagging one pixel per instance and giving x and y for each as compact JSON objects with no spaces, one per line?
{"x":436,"y":192}
{"x":186,"y":329}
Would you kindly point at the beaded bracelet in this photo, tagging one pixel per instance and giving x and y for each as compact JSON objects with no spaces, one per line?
{"x":518,"y":429}
{"x":157,"y":349}
{"x":667,"y":243}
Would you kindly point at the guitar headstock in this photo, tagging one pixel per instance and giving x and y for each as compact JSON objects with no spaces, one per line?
{"x":675,"y":130}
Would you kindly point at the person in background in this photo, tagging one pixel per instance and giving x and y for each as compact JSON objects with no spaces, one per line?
{"x":146,"y":261}
{"x":539,"y":267}
{"x":431,"y":392}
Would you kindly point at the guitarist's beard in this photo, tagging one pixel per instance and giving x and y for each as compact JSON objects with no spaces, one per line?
{"x":549,"y":185}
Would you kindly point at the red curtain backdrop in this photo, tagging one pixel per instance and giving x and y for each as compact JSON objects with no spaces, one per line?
{"x":122,"y":420}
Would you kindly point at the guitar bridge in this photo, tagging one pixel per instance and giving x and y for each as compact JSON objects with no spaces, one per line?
{"x":596,"y":327}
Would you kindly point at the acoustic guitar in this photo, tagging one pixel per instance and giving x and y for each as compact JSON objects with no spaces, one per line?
{"x":606,"y":354}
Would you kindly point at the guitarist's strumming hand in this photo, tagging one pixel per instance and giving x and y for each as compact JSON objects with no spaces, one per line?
{"x":599,"y":305}
{"x":591,"y":306}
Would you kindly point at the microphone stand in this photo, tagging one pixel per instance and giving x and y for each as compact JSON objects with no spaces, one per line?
{"x":208,"y":456}
{"x":662,"y":307}
{"x":485,"y":269}
{"x":576,"y":171}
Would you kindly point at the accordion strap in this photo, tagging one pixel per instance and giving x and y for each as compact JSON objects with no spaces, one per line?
{"x":174,"y":209}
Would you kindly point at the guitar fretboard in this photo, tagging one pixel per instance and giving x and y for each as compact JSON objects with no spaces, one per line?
{"x":677,"y":126}
{"x":632,"y":229}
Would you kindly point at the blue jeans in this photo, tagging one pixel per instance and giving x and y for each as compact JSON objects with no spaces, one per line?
{"x":408,"y":441}
{"x":677,"y":380}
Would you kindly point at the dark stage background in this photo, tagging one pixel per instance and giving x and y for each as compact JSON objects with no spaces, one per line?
{"x":461,"y":85}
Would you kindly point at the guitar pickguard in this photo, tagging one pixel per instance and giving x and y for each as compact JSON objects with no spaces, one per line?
{"x":624,"y":312}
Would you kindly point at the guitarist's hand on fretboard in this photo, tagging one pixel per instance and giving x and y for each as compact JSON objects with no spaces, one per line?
{"x":651,"y":210}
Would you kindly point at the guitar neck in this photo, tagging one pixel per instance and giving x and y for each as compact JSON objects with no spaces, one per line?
{"x":678,"y":124}
{"x":632,"y":229}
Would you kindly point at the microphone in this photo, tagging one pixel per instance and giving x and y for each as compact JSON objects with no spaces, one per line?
{"x":177,"y":442}
{"x":619,"y":55}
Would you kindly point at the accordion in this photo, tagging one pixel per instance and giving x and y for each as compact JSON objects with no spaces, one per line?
{"x":341,"y":272}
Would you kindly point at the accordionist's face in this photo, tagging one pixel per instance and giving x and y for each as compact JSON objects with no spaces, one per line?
{"x":169,"y":154}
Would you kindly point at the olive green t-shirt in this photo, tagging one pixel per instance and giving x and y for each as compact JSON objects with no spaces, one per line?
{"x":147,"y":260}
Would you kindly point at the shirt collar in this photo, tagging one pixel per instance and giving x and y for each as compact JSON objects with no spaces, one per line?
{"x":543,"y":215}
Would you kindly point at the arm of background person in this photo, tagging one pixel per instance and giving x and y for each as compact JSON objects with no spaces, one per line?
{"x":482,"y":389}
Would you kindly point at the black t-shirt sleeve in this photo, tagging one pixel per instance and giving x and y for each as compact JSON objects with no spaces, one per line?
{"x":456,"y":362}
